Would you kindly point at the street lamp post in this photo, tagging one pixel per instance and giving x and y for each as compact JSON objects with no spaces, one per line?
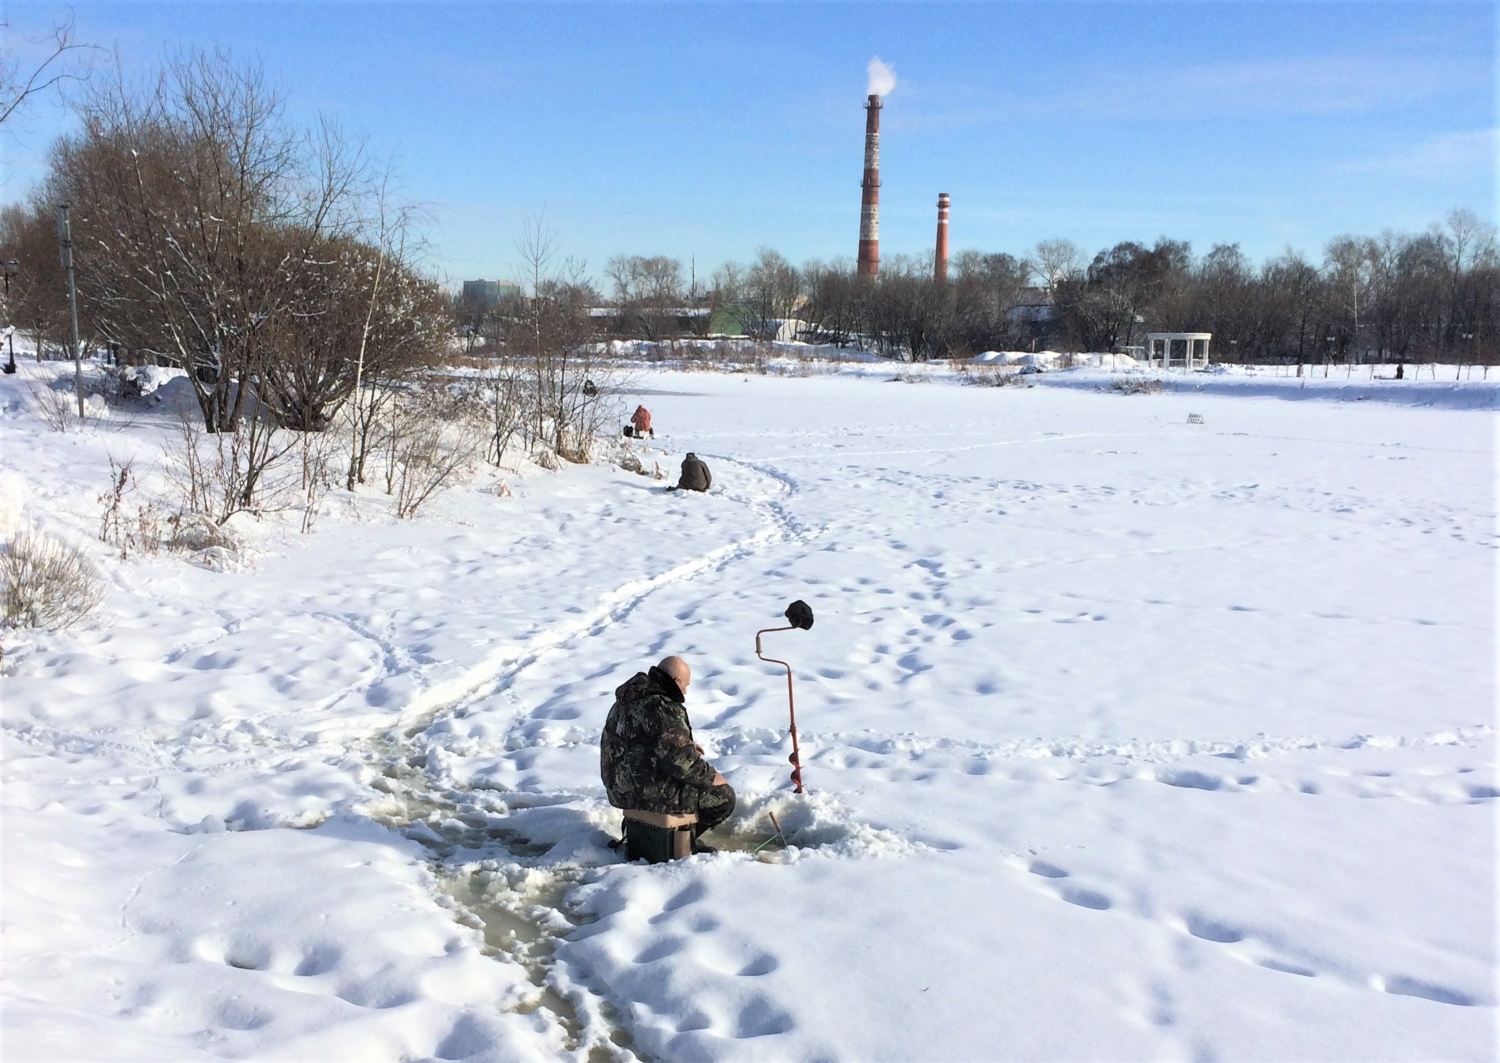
{"x":65,"y":242}
{"x":12,"y":267}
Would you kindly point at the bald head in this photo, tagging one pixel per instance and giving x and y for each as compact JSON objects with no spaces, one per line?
{"x":678,"y":669}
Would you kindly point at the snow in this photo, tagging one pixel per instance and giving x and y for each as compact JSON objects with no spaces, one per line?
{"x":1125,"y":738}
{"x":147,"y":380}
{"x":12,"y":503}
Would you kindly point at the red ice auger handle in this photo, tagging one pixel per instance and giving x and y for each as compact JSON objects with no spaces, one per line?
{"x":801,"y":616}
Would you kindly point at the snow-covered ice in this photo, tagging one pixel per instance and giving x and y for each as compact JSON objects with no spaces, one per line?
{"x":1125,"y":738}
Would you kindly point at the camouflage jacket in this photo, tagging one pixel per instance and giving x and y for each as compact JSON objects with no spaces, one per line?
{"x":647,"y":757}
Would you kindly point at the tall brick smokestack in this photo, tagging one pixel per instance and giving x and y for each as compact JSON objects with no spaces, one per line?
{"x":940,"y":257}
{"x":869,"y":200}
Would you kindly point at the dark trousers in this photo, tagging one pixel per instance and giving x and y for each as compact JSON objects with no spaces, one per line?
{"x":714,"y":807}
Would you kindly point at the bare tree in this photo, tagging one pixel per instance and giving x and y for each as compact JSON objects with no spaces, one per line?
{"x":771,"y":293}
{"x":835,"y":308}
{"x":53,"y":59}
{"x":1103,"y":308}
{"x":649,"y":294}
{"x":201,"y":215}
{"x":549,"y":330}
{"x":1057,"y":261}
{"x":36,"y":301}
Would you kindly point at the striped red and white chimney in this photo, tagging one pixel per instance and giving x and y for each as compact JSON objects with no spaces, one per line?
{"x":869,"y":200}
{"x":940,"y":256}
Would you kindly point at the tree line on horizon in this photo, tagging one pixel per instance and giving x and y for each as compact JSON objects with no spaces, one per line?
{"x":1397,"y":297}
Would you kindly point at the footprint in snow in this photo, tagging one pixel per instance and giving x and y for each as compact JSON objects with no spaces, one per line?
{"x":760,"y":1018}
{"x":659,"y":950}
{"x":1046,"y":870}
{"x":1212,"y":930}
{"x":681,"y":899}
{"x":761,"y":965}
{"x":1412,"y":987}
{"x":1086,"y":898}
{"x":234,"y":1014}
{"x":1188,"y":779}
{"x":318,"y":960}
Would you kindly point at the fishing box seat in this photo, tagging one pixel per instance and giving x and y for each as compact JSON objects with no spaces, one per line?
{"x":658,"y":836}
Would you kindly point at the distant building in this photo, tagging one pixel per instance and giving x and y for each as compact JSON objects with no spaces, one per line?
{"x":1034,"y":307}
{"x":490,"y":292}
{"x":733,"y":319}
{"x":1178,"y":350}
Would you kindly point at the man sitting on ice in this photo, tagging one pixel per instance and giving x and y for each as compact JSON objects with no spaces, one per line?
{"x":695,"y":475}
{"x":640,"y":421}
{"x":649,"y":761}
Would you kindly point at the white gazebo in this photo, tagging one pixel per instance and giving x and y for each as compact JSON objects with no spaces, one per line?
{"x":1178,"y":350}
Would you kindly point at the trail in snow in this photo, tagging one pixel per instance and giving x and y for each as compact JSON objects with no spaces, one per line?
{"x":484,"y":863}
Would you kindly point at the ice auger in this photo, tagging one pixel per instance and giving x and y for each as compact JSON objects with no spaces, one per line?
{"x":800,"y":615}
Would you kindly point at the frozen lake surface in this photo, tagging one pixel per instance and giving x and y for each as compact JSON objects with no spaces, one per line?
{"x":1125,"y":738}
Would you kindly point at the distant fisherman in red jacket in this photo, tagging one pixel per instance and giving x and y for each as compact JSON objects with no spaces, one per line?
{"x":641,"y":420}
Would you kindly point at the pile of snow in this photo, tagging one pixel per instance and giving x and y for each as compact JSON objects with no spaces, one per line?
{"x":1100,"y":360}
{"x":1038,"y":359}
{"x":145,"y":381}
{"x":731,"y":352}
{"x":1000,"y":357}
{"x":1056,"y":359}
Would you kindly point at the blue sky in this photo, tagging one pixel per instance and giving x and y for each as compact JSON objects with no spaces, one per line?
{"x":708,"y":130}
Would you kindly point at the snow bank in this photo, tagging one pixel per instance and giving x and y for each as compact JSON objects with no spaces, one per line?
{"x":145,"y":380}
{"x":1055,"y":359}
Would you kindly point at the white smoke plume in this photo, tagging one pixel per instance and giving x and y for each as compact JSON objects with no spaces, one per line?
{"x":882,"y":77}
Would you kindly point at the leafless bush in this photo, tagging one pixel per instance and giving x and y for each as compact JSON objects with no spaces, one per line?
{"x":47,"y":583}
{"x":57,"y":409}
{"x":193,"y":533}
{"x":992,"y":376}
{"x":146,"y":529}
{"x":569,"y":402}
{"x":1137,"y":386}
{"x":503,"y":397}
{"x":629,"y":461}
{"x":369,"y":415}
{"x":429,"y":439}
{"x":223,"y":473}
{"x":317,"y":450}
{"x":426,"y":460}
{"x":150,"y":529}
{"x":111,"y":522}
